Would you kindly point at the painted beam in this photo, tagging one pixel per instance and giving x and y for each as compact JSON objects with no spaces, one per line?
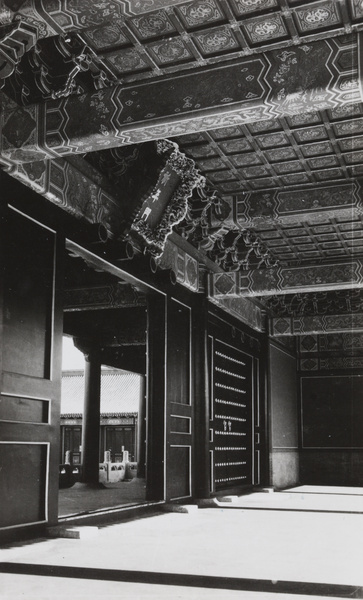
{"x":287,"y":206}
{"x":317,"y":324}
{"x":331,"y":363}
{"x":244,"y":310}
{"x":147,"y":215}
{"x":117,"y":295}
{"x":275,"y":84}
{"x":74,"y":186}
{"x":287,"y":280}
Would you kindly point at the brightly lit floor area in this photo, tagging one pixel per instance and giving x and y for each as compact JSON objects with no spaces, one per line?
{"x":304,"y":542}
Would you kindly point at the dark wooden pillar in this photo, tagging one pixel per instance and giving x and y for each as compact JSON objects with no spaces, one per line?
{"x":91,"y":418}
{"x":202,"y":399}
{"x":141,"y":431}
{"x":155,"y":464}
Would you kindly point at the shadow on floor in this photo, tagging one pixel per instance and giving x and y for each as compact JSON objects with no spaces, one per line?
{"x":80,"y":498}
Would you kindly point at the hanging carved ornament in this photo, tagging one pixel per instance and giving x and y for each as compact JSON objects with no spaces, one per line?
{"x":167,"y":204}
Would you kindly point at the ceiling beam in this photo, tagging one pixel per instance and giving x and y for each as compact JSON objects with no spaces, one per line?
{"x":107,"y":329}
{"x":119,"y":295}
{"x":317,"y":324}
{"x":290,"y":206}
{"x":75,"y":186}
{"x":128,"y":358}
{"x":244,"y":310}
{"x":286,"y":280}
{"x":274,"y":84}
{"x":94,"y":202}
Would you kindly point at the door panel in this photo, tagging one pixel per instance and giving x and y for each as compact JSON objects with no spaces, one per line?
{"x":179,"y":401}
{"x":232,"y":416}
{"x":30,"y":460}
{"x":27,"y":302}
{"x":30,"y":350}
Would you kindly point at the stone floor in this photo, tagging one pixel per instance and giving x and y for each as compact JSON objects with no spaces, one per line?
{"x":222,"y":552}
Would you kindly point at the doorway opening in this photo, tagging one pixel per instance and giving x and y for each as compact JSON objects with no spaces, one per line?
{"x":103,"y":405}
{"x":121,"y":451}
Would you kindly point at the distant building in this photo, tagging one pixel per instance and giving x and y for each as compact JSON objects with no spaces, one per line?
{"x":120,"y":396}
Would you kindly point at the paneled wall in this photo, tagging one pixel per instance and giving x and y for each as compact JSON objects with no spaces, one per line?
{"x":284,"y":455}
{"x":331,"y":392}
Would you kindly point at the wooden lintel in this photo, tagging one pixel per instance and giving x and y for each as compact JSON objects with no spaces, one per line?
{"x":103,"y":297}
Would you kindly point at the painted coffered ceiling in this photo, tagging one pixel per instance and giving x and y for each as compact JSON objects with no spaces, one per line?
{"x":262,"y":103}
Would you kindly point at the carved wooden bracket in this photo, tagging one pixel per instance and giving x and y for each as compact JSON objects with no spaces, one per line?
{"x":15,"y":40}
{"x":167,"y":203}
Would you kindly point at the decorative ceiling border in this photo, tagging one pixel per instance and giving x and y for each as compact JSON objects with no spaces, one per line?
{"x":284,"y":326}
{"x":283,"y":280}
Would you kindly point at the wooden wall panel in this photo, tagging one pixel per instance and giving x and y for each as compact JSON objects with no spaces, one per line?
{"x":179,"y":472}
{"x":284,"y":457}
{"x":28,"y":290}
{"x":30,"y":369}
{"x":283,"y":396}
{"x":332,"y":411}
{"x":23,"y":481}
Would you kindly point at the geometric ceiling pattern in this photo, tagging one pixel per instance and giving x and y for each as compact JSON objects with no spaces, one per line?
{"x":305,"y":242}
{"x":187,"y":34}
{"x":308,"y":148}
{"x":283,"y":190}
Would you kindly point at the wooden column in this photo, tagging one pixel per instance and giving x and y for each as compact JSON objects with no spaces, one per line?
{"x":141,"y":431}
{"x":155,"y":464}
{"x":91,"y":418}
{"x":201,"y":472}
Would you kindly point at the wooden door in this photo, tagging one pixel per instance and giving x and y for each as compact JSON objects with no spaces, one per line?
{"x":231,"y":416}
{"x":30,"y":370}
{"x":71,"y":440}
{"x":179,"y":402}
{"x":118,"y":437}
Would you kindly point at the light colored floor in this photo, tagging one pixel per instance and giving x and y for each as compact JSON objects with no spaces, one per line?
{"x":302,"y":499}
{"x":327,"y":489}
{"x":315,"y":547}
